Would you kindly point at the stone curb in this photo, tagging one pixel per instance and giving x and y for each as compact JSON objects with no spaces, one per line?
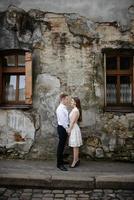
{"x":115,"y":182}
{"x":68,"y":182}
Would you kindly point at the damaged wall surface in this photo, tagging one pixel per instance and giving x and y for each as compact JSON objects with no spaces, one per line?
{"x":67,"y":56}
{"x":98,"y":10}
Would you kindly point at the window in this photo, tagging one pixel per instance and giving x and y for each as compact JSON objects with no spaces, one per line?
{"x":15,"y":78}
{"x":119,"y":80}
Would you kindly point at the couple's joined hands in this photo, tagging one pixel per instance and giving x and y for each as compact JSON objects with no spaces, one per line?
{"x":68,"y":130}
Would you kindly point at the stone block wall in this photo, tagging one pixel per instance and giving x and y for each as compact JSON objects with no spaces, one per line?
{"x":67,"y":56}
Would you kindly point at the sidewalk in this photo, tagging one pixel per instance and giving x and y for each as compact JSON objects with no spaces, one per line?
{"x":89,"y":175}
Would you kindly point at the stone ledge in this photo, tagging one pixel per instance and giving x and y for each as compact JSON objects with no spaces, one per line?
{"x":47,"y":181}
{"x":115,"y":182}
{"x":75,"y":182}
{"x":66,"y":181}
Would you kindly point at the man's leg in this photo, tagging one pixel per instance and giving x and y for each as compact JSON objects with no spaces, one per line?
{"x":62,"y":141}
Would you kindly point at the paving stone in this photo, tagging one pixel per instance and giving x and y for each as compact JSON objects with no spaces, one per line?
{"x":57,"y":191}
{"x":37,"y":191}
{"x":68,"y":191}
{"x":108,"y":191}
{"x":27,"y":190}
{"x":72,"y":195}
{"x":27,"y":194}
{"x":83,"y":195}
{"x":47,"y":198}
{"x":79,"y":192}
{"x":59,"y":195}
{"x":47,"y":191}
{"x":88,"y":192}
{"x":38,"y":195}
{"x":48,"y":195}
{"x":25,"y":198}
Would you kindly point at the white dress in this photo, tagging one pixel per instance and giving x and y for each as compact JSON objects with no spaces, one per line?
{"x":75,"y":138}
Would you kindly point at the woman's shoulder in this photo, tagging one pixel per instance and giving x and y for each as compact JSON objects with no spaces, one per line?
{"x":75,"y":109}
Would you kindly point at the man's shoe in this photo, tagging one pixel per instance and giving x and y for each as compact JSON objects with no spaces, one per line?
{"x":62,"y":167}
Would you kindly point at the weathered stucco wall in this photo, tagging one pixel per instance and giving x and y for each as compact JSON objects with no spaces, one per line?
{"x":67,"y":56}
{"x":97,"y":10}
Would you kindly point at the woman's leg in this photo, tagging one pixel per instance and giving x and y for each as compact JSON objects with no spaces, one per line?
{"x":75,"y":155}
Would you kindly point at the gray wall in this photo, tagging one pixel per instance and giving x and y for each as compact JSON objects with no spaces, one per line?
{"x":97,"y":10}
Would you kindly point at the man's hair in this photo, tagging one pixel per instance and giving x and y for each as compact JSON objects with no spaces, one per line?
{"x":63,"y":95}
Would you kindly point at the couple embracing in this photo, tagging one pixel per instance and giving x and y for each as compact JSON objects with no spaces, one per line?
{"x":68,"y":127}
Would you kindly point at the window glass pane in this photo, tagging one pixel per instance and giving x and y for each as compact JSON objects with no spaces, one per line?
{"x":111,"y":62}
{"x":10,"y":60}
{"x":124,"y":63}
{"x":22,"y":88}
{"x":111,"y":89}
{"x":125,"y":89}
{"x":21,"y":60}
{"x":10,"y":90}
{"x":3,"y":62}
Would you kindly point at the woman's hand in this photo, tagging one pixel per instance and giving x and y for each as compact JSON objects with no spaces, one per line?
{"x":68,"y":131}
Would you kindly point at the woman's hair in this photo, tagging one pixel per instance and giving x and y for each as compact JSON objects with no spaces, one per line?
{"x":78,"y":105}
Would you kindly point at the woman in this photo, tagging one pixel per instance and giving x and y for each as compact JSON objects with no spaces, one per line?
{"x":75,"y":138}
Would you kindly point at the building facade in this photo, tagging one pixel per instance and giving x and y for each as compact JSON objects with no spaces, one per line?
{"x":67,"y":49}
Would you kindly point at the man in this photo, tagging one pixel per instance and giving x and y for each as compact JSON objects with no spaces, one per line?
{"x":63,"y":122}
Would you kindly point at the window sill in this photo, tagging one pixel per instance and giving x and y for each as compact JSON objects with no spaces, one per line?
{"x":23,"y":107}
{"x":119,"y":109}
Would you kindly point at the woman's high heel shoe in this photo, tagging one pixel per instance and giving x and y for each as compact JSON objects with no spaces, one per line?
{"x":76,"y":164}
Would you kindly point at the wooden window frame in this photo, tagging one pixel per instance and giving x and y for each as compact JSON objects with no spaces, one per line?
{"x":118,"y":53}
{"x":17,"y":71}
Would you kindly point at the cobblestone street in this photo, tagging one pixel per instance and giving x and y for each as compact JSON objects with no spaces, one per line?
{"x":42,"y":194}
